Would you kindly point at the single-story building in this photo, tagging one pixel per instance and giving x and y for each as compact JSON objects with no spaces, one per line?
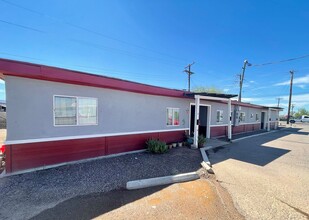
{"x":56,"y":115}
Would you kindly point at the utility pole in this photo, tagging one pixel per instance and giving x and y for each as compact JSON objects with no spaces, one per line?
{"x":278,"y":102}
{"x":290,"y":98}
{"x":246,"y":63}
{"x":188,"y":71}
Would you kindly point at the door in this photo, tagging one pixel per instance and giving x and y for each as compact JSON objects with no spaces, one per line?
{"x":262,"y":120}
{"x":202,"y":121}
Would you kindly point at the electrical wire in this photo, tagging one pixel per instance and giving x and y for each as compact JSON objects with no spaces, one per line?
{"x":88,"y":30}
{"x":22,"y":26}
{"x":281,"y":61}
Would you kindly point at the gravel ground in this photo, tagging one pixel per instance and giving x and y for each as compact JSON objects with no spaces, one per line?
{"x":24,"y":196}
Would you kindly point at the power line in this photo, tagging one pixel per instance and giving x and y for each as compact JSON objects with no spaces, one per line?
{"x":87,"y":29}
{"x":281,"y":61}
{"x":98,"y":46}
{"x":22,"y":26}
{"x":109,"y":72}
{"x":14,"y":55}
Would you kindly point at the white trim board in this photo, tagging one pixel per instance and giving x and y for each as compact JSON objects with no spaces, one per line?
{"x":37,"y":140}
{"x":249,"y":123}
{"x":219,"y":125}
{"x":224,"y":125}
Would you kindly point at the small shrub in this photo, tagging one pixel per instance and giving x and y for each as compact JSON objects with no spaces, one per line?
{"x":201,"y":140}
{"x":156,"y":146}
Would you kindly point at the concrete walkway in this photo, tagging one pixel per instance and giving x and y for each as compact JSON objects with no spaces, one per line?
{"x":213,"y":143}
{"x":267,"y":176}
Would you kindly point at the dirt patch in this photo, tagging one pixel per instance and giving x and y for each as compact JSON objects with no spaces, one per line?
{"x":198,"y":199}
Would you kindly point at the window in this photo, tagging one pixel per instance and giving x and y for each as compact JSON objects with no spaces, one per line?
{"x":75,"y":110}
{"x":219,"y":115}
{"x":172,"y":116}
{"x":242,"y":116}
{"x":251,"y":115}
{"x":257,"y":117}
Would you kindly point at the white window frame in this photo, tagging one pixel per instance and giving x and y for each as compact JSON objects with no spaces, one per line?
{"x":220,"y":116}
{"x":77,"y":106}
{"x":257,"y":118}
{"x":173,"y":119}
{"x":240,"y":118}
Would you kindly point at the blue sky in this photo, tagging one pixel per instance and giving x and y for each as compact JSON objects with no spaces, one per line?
{"x":152,"y":41}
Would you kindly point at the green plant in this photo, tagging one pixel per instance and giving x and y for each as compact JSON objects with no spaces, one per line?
{"x":156,"y":146}
{"x":201,"y":140}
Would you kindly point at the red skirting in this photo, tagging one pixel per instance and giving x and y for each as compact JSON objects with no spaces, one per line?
{"x":32,"y":155}
{"x":220,"y":131}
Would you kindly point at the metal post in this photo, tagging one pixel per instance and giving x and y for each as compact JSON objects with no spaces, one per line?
{"x":268,"y":120}
{"x":290,"y":97}
{"x":229,"y":109}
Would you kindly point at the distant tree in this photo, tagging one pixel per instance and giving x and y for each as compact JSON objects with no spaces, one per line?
{"x":300,"y":112}
{"x":210,"y":89}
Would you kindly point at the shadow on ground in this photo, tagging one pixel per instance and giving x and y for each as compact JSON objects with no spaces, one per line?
{"x":95,"y":204}
{"x":253,"y":150}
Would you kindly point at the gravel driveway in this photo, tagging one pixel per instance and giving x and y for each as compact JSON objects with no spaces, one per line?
{"x":267,"y":176}
{"x":24,"y":196}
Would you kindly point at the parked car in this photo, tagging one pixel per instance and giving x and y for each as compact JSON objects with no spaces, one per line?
{"x":304,"y":118}
{"x":2,"y":158}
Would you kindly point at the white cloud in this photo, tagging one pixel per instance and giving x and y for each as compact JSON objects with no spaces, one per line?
{"x":299,"y":80}
{"x":1,"y":81}
{"x":298,"y":98}
{"x":251,"y":81}
{"x":301,"y":86}
{"x":226,"y":90}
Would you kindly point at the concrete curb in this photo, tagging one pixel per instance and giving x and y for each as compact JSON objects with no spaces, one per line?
{"x":204,"y":155}
{"x":158,"y":181}
{"x":207,"y":167}
{"x":206,"y":163}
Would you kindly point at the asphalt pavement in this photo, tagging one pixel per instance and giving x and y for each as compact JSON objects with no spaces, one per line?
{"x":268,"y":175}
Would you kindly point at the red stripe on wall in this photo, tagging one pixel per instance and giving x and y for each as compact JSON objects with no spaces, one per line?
{"x":33,"y":155}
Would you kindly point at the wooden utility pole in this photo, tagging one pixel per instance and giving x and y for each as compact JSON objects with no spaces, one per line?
{"x":290,"y":98}
{"x":188,"y":71}
{"x":242,"y":78}
{"x":278,"y":102}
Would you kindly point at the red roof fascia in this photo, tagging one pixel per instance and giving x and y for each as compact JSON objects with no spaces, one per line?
{"x":55,"y":74}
